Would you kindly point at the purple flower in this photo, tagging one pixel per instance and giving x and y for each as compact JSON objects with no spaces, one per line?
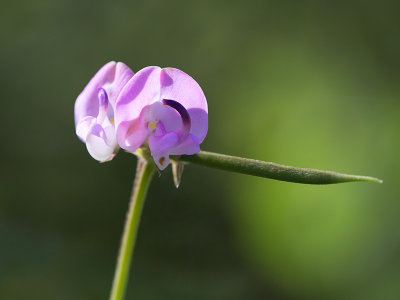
{"x":94,"y":110}
{"x":163,"y":109}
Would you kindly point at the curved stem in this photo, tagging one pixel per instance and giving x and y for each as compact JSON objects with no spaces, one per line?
{"x":144,"y":173}
{"x":269,"y":169}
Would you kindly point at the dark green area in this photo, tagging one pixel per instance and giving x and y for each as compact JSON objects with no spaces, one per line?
{"x":304,"y":83}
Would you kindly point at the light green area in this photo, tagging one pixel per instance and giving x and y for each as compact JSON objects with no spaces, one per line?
{"x":311,"y":241}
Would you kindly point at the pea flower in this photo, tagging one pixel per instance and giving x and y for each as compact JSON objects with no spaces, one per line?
{"x":94,"y":110}
{"x":164,"y":110}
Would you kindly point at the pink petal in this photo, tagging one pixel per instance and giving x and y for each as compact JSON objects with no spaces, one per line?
{"x":188,"y":147}
{"x":168,"y":117}
{"x":83,"y":127}
{"x":140,"y":104}
{"x":132,"y":134}
{"x":122,"y":75}
{"x":160,"y":146}
{"x":141,"y":90}
{"x":100,"y":144}
{"x":112,"y":77}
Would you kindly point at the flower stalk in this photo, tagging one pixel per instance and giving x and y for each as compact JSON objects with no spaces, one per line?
{"x":144,"y":172}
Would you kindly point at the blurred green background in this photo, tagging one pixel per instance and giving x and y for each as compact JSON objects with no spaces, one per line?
{"x":306,"y":83}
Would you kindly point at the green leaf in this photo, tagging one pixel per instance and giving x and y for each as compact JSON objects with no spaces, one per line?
{"x":269,"y":169}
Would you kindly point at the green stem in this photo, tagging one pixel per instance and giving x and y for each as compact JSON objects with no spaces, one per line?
{"x":270,"y":170}
{"x":144,"y":173}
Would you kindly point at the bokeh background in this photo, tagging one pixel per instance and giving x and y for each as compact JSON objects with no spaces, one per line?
{"x":305,"y":83}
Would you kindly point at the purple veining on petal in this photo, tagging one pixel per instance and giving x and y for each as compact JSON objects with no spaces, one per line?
{"x":103,"y":105}
{"x":186,"y":121}
{"x":179,"y":86}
